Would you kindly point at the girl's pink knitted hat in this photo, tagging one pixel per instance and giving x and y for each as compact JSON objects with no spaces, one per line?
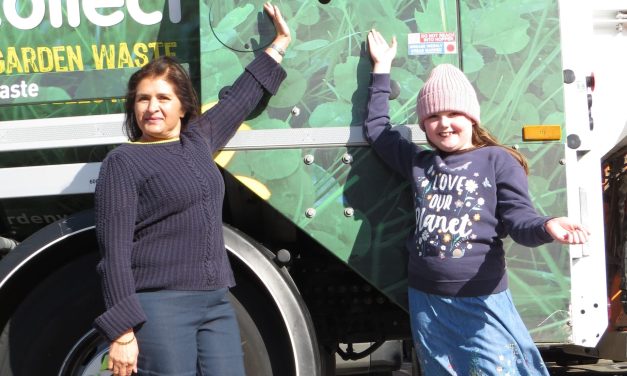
{"x":447,"y":89}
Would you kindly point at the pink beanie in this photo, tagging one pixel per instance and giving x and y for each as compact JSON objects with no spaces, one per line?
{"x":447,"y":89}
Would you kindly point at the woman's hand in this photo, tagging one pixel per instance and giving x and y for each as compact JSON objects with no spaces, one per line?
{"x":283,"y":36}
{"x":381,"y":52}
{"x":123,"y":355}
{"x":565,"y":231}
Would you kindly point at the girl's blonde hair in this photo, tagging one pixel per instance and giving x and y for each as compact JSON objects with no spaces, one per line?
{"x":482,"y":137}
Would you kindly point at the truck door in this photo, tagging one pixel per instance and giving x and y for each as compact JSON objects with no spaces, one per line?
{"x":583,"y":178}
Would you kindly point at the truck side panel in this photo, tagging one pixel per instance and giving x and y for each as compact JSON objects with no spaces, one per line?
{"x":357,"y":209}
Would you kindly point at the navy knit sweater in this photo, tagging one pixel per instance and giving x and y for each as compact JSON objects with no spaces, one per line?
{"x":159,"y":206}
{"x":465,"y":204}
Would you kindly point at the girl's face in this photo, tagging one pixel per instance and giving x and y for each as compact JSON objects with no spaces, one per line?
{"x":158,"y":110}
{"x":449,"y":131}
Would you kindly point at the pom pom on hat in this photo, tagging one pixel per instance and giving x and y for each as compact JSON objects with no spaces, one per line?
{"x":447,"y":89}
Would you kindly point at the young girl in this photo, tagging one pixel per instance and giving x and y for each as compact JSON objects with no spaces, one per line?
{"x":470,"y":192}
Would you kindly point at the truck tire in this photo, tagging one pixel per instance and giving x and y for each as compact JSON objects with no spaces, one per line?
{"x":51,"y":319}
{"x":51,"y":333}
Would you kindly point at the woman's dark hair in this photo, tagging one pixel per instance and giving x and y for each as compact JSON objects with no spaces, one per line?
{"x":168,"y":68}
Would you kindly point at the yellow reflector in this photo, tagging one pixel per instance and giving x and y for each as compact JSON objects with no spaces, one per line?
{"x":542,"y":133}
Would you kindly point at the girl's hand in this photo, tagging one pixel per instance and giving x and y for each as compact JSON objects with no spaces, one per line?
{"x":283,"y":36}
{"x":381,"y":53}
{"x":565,"y":231}
{"x":123,"y":355}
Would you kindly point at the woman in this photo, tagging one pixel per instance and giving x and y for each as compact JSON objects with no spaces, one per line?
{"x":164,"y":268}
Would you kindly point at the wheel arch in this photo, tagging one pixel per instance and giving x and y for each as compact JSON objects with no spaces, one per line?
{"x":279,"y":285}
{"x":34,"y":259}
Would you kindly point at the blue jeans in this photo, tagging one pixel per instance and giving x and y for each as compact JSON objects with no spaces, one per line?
{"x":465,"y":336}
{"x":189,"y":333}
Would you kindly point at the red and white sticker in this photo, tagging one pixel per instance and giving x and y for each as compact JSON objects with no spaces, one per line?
{"x":438,"y":43}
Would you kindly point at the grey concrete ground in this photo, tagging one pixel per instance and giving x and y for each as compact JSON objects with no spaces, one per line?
{"x":602,"y":367}
{"x":404,"y":371}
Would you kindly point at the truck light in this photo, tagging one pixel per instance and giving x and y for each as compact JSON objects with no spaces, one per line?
{"x":590,"y":81}
{"x":542,"y":133}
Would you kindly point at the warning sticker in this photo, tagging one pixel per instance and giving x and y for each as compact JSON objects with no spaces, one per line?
{"x":438,"y":43}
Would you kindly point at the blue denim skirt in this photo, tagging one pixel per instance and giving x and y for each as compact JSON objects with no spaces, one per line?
{"x":470,"y":336}
{"x":189,"y":333}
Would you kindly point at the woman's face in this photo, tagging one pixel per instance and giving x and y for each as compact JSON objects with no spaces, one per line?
{"x":158,"y":110}
{"x":449,"y":131}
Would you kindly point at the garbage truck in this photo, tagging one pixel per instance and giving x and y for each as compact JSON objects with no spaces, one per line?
{"x":314,"y":222}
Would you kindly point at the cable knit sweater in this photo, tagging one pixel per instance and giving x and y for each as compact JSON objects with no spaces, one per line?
{"x":465,"y":204}
{"x":159,"y":206}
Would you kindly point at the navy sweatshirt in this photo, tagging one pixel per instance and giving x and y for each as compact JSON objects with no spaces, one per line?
{"x":465,"y":203}
{"x":159,"y":206}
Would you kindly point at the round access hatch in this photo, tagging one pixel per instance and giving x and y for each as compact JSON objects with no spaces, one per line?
{"x":243,"y":27}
